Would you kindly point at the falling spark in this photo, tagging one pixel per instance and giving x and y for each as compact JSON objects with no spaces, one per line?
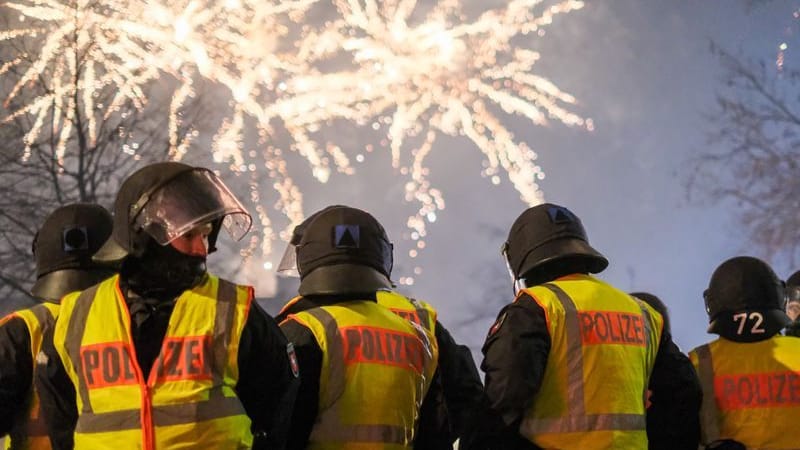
{"x":442,"y":75}
{"x":408,"y":72}
{"x":89,"y":49}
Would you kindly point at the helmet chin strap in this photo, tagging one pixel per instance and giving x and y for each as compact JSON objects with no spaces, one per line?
{"x":517,"y":284}
{"x":163,"y":272}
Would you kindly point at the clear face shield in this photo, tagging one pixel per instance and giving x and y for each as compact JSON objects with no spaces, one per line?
{"x":516,"y":283}
{"x":288,"y":265}
{"x":191,"y":199}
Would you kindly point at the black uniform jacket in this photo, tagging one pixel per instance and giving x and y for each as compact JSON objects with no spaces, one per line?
{"x":16,"y":372}
{"x":515,"y":357}
{"x":447,"y":407}
{"x":267,"y":385}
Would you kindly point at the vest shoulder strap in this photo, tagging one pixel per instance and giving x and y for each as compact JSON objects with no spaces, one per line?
{"x":709,"y":412}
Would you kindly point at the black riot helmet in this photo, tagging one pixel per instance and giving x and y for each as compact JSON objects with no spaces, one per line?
{"x":549,"y":239}
{"x":63,"y":248}
{"x":342,"y":251}
{"x":745,"y":300}
{"x":164,"y":200}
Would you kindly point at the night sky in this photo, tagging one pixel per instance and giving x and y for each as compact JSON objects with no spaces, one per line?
{"x":643,"y":71}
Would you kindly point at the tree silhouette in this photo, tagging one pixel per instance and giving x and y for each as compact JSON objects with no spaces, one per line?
{"x":755,"y":152}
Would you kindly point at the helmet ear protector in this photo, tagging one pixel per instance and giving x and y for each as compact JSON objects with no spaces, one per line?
{"x":63,"y":248}
{"x":75,"y":239}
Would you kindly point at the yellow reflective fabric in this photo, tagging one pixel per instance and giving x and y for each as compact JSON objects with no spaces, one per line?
{"x":751,"y":391}
{"x":188,"y":399}
{"x":411,"y":309}
{"x":30,"y":432}
{"x":603,"y":348}
{"x":376,"y":370}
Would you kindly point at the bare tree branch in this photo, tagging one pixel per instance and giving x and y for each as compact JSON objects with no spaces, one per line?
{"x":36,"y":178}
{"x":755,"y":134}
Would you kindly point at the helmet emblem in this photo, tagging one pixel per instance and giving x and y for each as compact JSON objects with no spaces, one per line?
{"x":346,"y":236}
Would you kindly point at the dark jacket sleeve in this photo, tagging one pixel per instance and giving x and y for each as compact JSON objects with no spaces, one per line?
{"x":434,"y":429}
{"x":267,"y":383}
{"x":461,"y":383}
{"x":309,"y":357}
{"x":673,"y":418}
{"x":16,"y":370}
{"x":514,"y":360}
{"x":56,"y":395}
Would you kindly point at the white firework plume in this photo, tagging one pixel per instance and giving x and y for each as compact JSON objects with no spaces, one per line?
{"x":420,"y":74}
{"x":411,"y":71}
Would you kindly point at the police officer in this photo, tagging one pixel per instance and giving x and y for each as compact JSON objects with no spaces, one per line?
{"x":567,"y":363}
{"x":365,"y":370}
{"x":457,"y":374}
{"x":793,"y":304}
{"x":750,"y":373}
{"x":662,"y":411}
{"x":63,"y":248}
{"x":166,"y":355}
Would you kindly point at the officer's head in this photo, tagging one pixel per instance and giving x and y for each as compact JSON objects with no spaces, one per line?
{"x":341,"y":251}
{"x":167,"y":217}
{"x":745,"y":300}
{"x":793,"y":296}
{"x":548,"y":241}
{"x":656,"y":304}
{"x":63,"y":248}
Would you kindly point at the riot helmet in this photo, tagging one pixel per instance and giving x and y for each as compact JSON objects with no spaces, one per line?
{"x":547,"y":241}
{"x":162,"y":201}
{"x":793,"y":296}
{"x":745,"y":300}
{"x":63,"y":248}
{"x":342,"y":251}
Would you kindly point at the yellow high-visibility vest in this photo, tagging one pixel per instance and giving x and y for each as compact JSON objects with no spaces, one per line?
{"x":417,"y":311}
{"x":603,"y":349}
{"x":751,"y":391}
{"x":376,"y":370}
{"x":188,"y":400}
{"x":30,"y":432}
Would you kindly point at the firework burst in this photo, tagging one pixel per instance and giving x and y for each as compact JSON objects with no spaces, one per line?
{"x":417,"y":78}
{"x":412,"y":72}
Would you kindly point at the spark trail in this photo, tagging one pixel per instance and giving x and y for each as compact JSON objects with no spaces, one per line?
{"x":412,"y":72}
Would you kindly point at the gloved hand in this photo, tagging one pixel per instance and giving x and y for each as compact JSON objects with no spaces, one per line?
{"x":726,"y":444}
{"x":794,"y":328}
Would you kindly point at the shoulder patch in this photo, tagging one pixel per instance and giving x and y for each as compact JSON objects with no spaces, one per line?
{"x":293,"y":359}
{"x":497,"y":324}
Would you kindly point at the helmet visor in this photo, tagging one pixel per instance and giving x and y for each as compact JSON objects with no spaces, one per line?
{"x":191,"y":199}
{"x":288,"y":265}
{"x":516,"y":283}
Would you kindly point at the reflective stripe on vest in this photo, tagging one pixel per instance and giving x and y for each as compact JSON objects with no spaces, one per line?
{"x":408,"y":308}
{"x":363,"y":342}
{"x":709,"y":413}
{"x":327,"y":425}
{"x":576,"y":419}
{"x":29,"y":431}
{"x":164,"y":415}
{"x":197,"y":357}
{"x":751,"y":391}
